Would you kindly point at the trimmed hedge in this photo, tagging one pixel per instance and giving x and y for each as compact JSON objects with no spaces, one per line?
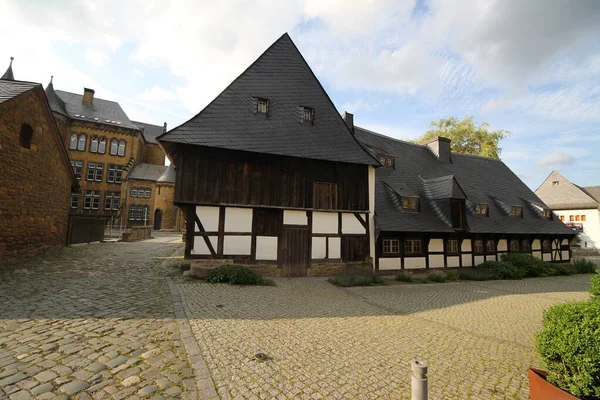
{"x":504,"y":270}
{"x":354,"y":280}
{"x":595,"y":286}
{"x":404,"y":277}
{"x":234,"y":274}
{"x":529,"y":265}
{"x":569,"y":344}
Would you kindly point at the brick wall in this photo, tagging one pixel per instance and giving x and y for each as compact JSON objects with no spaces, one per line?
{"x":35,"y":183}
{"x":172,"y":218}
{"x":153,"y":154}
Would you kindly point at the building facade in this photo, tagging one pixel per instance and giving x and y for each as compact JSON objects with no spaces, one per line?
{"x":578,"y":207}
{"x":36,"y":180}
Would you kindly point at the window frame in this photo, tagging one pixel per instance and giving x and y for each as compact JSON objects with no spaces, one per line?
{"x":548,"y":248}
{"x":94,"y":144}
{"x":134,"y":192}
{"x":390,"y":246}
{"x":481,"y":246}
{"x":96,"y":200}
{"x":516,"y":212}
{"x":77,"y":168}
{"x":547,"y":213}
{"x":482,"y":210}
{"x":102,"y":146}
{"x":512,"y":248}
{"x":108,"y":201}
{"x":73,"y":141}
{"x":264,"y":102}
{"x":81,"y":142}
{"x":88,"y":196}
{"x":114,"y":147}
{"x":310,"y":112}
{"x":122,"y":149}
{"x":525,"y":246}
{"x":410,"y":248}
{"x":410,"y":203}
{"x":449,"y":249}
{"x":132,"y":212}
{"x":494,"y":250}
{"x":583,"y":218}
{"x":74,"y":204}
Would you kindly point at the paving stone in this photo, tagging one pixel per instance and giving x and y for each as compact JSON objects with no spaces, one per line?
{"x":9,"y":380}
{"x":46,"y":376}
{"x":20,"y":395}
{"x":74,"y":387}
{"x":96,"y":367}
{"x":132,"y":380}
{"x":148,"y":390}
{"x":43,"y":388}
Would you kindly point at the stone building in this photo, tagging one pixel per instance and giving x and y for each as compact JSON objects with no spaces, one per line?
{"x":36,"y":179}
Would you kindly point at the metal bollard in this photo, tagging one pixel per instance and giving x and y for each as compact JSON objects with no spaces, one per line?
{"x":419,"y":380}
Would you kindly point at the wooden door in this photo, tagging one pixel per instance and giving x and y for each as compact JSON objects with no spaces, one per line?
{"x":294,"y":251}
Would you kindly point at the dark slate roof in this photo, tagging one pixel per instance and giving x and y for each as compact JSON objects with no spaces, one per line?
{"x":566,"y":195}
{"x":282,"y":76}
{"x":168,"y":176}
{"x":10,"y":89}
{"x":56,"y":103}
{"x":147,"y":172}
{"x":150,"y":132}
{"x":8,"y":75}
{"x":478,"y":179}
{"x":102,"y":111}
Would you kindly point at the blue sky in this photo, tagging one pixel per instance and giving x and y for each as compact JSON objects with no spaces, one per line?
{"x":531,"y":67}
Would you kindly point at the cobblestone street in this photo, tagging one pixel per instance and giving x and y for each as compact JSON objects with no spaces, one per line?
{"x":108,"y":321}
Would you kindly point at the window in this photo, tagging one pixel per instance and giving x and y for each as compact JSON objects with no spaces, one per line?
{"x":308,"y":114}
{"x":525,"y":246}
{"x":410,"y":203}
{"x":577,"y":218}
{"x":92,"y":200}
{"x":147,"y":193}
{"x":81,"y":143}
{"x":74,"y":200}
{"x":481,"y":209}
{"x":102,"y":146}
{"x":121,"y":151}
{"x":115,"y":174}
{"x":517,"y":212}
{"x":94,"y":145}
{"x":95,"y":172}
{"x":457,"y":214}
{"x":114,"y":145}
{"x":514,"y":246}
{"x":96,"y":200}
{"x":141,"y":213}
{"x":490,"y":246}
{"x":583,"y":218}
{"x":478,"y":246}
{"x":554,"y":183}
{"x":262,"y":106}
{"x":73,"y":142}
{"x":562,"y":217}
{"x":134,"y":192}
{"x":325,"y":196}
{"x":452,"y":246}
{"x":26,"y":136}
{"x":77,"y":168}
{"x":111,"y":200}
{"x":571,"y":218}
{"x":132,"y":213}
{"x":412,"y":246}
{"x":546,"y":245}
{"x":391,"y":246}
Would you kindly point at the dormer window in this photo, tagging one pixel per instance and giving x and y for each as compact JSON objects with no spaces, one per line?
{"x":547,"y":213}
{"x":554,"y":183}
{"x":386,"y":161}
{"x":308,"y":114}
{"x":517,"y":212}
{"x":262,"y":106}
{"x":410,"y":203}
{"x":481,"y":209}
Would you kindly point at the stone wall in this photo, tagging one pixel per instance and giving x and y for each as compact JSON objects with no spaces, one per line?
{"x":153,"y":154}
{"x":35,"y":183}
{"x":172,"y":219}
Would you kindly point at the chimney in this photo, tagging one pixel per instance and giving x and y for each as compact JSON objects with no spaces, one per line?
{"x":349,"y":118}
{"x":440,"y":147}
{"x":165,"y":127}
{"x":88,"y":96}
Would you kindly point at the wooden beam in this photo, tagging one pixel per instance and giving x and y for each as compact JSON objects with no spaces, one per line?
{"x":206,"y":238}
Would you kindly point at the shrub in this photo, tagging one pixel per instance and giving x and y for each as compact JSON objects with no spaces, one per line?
{"x":583,"y":266}
{"x":234,"y":274}
{"x":504,"y":270}
{"x":436,"y":278}
{"x":353,"y":280}
{"x":478,"y":275}
{"x":452,"y":275}
{"x":404,"y":277}
{"x":556,"y":270}
{"x":569,"y":344}
{"x":530,"y":265}
{"x":595,"y":285}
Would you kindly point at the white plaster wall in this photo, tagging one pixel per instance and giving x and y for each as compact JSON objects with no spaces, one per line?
{"x":436,"y":261}
{"x":209,"y":217}
{"x":325,"y":222}
{"x":536,"y":245}
{"x":372,"y":213}
{"x":200,"y":246}
{"x":547,"y":257}
{"x":319,"y":247}
{"x":266,"y":248}
{"x":466,"y":260}
{"x":389,"y":263}
{"x":565,"y":242}
{"x":238,"y":219}
{"x":591,"y":225}
{"x":490,"y":258}
{"x":554,"y":244}
{"x":453,"y":261}
{"x":565,"y":255}
{"x":502,"y":246}
{"x":335,"y":247}
{"x":414,"y":263}
{"x":479,"y":259}
{"x":436,"y":245}
{"x":293,"y":217}
{"x":350,"y":223}
{"x":537,"y":254}
{"x":236,"y":245}
{"x":466,"y":245}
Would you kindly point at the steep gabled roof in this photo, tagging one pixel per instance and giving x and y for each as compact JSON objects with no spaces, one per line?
{"x":56,"y":103}
{"x":477,"y":179}
{"x":10,"y":89}
{"x":8,"y":75}
{"x":150,"y":132}
{"x":282,"y":76}
{"x":561,"y":194}
{"x":147,"y":172}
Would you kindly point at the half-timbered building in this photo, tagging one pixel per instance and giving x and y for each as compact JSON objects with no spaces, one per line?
{"x":272,"y":176}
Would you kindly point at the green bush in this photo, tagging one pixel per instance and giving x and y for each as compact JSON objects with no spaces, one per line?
{"x":436,"y":278}
{"x":504,"y":270}
{"x":234,"y":274}
{"x":404,"y":277}
{"x":583,"y":266}
{"x":478,"y":275}
{"x":595,"y":285}
{"x":551,"y":269}
{"x":452,"y":275}
{"x":569,"y":344}
{"x":530,"y":265}
{"x":354,"y":280}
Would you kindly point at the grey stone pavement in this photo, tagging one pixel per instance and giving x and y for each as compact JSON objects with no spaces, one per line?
{"x":115,"y":320}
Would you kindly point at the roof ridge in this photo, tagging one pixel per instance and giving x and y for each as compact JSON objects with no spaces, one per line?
{"x":388,"y":137}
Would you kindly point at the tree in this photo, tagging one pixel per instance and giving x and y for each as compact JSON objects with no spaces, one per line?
{"x":467,"y":136}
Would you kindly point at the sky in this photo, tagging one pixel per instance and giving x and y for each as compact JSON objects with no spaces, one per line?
{"x":530,"y":67}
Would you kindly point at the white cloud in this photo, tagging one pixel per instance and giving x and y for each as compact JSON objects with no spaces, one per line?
{"x":97,"y":58}
{"x":156,"y":94}
{"x":556,"y":159}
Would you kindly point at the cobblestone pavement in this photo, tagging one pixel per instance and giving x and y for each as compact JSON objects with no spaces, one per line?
{"x":357,"y":343}
{"x":94,"y":321}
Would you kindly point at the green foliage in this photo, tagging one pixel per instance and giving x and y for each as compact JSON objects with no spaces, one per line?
{"x":234,"y":274}
{"x":467,"y":136}
{"x":530,"y":266}
{"x":576,"y":240}
{"x":569,"y":344}
{"x":504,"y":270}
{"x":478,"y":275}
{"x":436,"y":278}
{"x":556,"y":270}
{"x":583,"y":266}
{"x":595,"y":285}
{"x":353,"y":280}
{"x":404,"y":277}
{"x":452,"y":275}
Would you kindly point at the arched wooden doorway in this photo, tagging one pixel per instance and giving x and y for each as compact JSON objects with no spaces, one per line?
{"x":157,"y":219}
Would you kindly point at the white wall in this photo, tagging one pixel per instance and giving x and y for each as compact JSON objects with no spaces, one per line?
{"x":200,"y":246}
{"x":490,"y":258}
{"x":238,"y":219}
{"x":502,"y":245}
{"x":415,"y":262}
{"x":453,"y":262}
{"x":466,"y":260}
{"x":466,"y":245}
{"x":319,"y":247}
{"x":293,"y":217}
{"x":565,"y":255}
{"x":389,"y":263}
{"x":436,"y":245}
{"x":537,"y":254}
{"x":436,"y":261}
{"x":209,"y":217}
{"x":266,"y":248}
{"x":325,"y":222}
{"x":335,"y":247}
{"x":479,"y":260}
{"x":350,"y":224}
{"x":236,"y":245}
{"x":591,"y":225}
{"x":547,"y":257}
{"x":536,"y":245}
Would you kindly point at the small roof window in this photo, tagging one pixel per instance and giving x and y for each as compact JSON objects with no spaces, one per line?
{"x":262,"y":106}
{"x":410,"y":203}
{"x":547,"y":213}
{"x":387,"y":161}
{"x":308,"y":114}
{"x":517,"y":212}
{"x":554,"y":183}
{"x":481,"y":209}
